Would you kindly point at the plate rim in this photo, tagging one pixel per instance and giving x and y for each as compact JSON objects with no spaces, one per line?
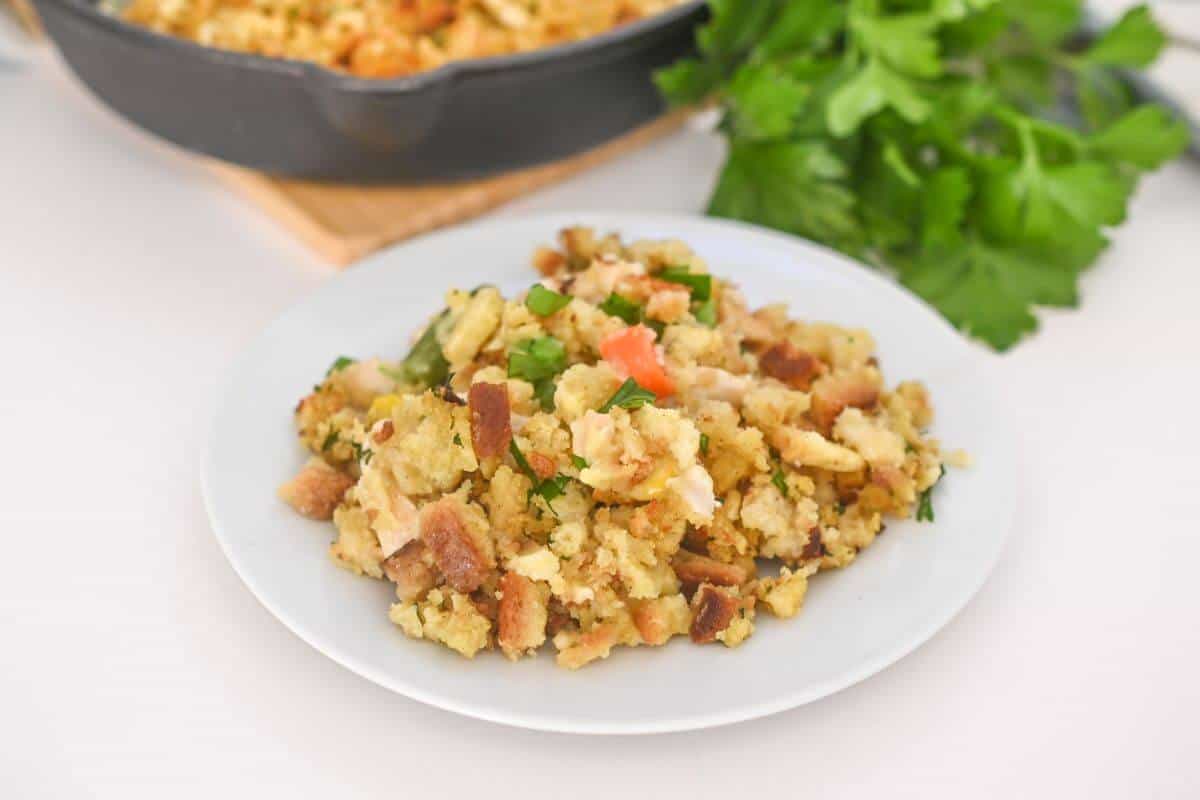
{"x":615,"y":220}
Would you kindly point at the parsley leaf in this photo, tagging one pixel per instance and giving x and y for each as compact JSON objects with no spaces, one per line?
{"x":704,"y":444}
{"x":1135,"y":41}
{"x":764,"y":100}
{"x":544,"y":302}
{"x":979,"y":149}
{"x":629,"y":396}
{"x":1144,"y":138}
{"x":579,"y":462}
{"x":793,"y":186}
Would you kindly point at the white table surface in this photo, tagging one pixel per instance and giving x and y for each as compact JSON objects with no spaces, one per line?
{"x":133,"y":663}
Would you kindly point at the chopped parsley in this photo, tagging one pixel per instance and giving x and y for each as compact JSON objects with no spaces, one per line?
{"x":544,"y":302}
{"x":330,"y":440}
{"x":630,"y":396}
{"x":458,"y":440}
{"x":704,"y":443}
{"x":549,"y":489}
{"x":580,"y":463}
{"x":780,"y":481}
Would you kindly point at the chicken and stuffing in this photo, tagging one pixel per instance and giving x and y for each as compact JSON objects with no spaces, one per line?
{"x":624,"y":454}
{"x":384,"y":38}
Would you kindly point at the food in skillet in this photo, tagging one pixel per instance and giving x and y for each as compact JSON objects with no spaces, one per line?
{"x":386,"y":38}
{"x":601,"y":461}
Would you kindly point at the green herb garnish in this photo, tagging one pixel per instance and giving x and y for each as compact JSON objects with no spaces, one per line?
{"x":519,"y":457}
{"x":925,"y":501}
{"x":544,"y":302}
{"x":622,"y":308}
{"x":339,"y":365}
{"x":549,"y":489}
{"x":458,"y":440}
{"x":579,"y":462}
{"x":544,"y":390}
{"x":704,"y":444}
{"x":535,"y":359}
{"x":780,"y":481}
{"x":698,"y":282}
{"x":425,"y":364}
{"x":331,"y":439}
{"x":706,"y":312}
{"x":935,"y":138}
{"x":552,"y":488}
{"x":629,"y":396}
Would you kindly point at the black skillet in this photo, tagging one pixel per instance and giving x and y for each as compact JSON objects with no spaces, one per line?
{"x":466,"y":119}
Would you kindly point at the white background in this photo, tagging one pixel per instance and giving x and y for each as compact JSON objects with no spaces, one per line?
{"x":133,"y":663}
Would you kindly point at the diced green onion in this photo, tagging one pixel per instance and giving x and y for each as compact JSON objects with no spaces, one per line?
{"x":925,"y":501}
{"x":622,"y":308}
{"x":535,"y":359}
{"x":706,"y":312}
{"x":698,"y":282}
{"x":339,"y":365}
{"x":425,"y":364}
{"x":544,"y":302}
{"x":544,"y":390}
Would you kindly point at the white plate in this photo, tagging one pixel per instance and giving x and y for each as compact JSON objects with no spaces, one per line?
{"x":855,"y":621}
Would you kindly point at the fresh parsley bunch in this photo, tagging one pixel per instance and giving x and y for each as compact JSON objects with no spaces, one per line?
{"x":979,"y":148}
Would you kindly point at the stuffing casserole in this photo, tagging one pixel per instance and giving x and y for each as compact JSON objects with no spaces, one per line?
{"x":385,"y":38}
{"x":614,"y":458}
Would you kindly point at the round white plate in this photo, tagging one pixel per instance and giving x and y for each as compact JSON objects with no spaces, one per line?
{"x":855,"y":622}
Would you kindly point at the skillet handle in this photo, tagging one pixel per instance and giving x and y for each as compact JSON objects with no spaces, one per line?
{"x":386,"y":116}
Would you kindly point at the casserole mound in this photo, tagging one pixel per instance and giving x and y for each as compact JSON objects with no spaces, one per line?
{"x":624,"y":454}
{"x":385,"y":38}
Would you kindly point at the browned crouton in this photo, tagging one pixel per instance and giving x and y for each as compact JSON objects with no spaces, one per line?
{"x":694,"y":569}
{"x":712,"y":611}
{"x":316,"y":491}
{"x":522,"y":615}
{"x":595,"y":643}
{"x":834,"y":394}
{"x":458,"y":556}
{"x":787,"y":363}
{"x":491,"y":420}
{"x":411,"y":569}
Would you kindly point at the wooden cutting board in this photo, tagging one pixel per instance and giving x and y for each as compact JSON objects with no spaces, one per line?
{"x":343,"y":223}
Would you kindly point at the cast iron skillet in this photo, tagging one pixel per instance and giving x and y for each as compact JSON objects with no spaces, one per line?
{"x":465,"y":119}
